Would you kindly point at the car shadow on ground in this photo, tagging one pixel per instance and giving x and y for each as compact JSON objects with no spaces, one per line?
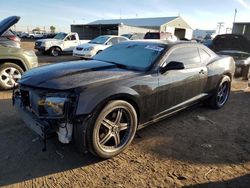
{"x":203,"y":136}
{"x":21,"y":151}
{"x":48,"y":59}
{"x":243,"y":181}
{"x":197,"y":135}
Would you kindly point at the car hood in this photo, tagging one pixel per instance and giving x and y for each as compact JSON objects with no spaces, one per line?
{"x":6,"y":23}
{"x":87,"y":45}
{"x":74,"y":74}
{"x":47,"y":40}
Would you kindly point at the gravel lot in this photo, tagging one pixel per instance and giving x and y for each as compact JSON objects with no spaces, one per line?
{"x":198,"y":147}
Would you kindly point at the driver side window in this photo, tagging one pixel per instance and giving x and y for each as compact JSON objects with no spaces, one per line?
{"x":189,"y":56}
{"x":71,"y":37}
{"x":113,"y":41}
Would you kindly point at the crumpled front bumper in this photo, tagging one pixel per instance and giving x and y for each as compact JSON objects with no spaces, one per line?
{"x":41,"y":127}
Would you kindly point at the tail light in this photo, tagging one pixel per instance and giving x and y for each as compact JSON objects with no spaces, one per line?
{"x":14,"y":38}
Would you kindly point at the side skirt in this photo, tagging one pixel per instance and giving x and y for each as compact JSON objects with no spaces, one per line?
{"x":171,"y":111}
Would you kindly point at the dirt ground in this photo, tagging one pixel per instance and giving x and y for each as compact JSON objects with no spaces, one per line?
{"x":198,"y":147}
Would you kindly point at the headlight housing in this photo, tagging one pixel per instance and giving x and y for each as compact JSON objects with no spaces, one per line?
{"x":52,"y":106}
{"x":89,"y":49}
{"x":30,"y":53}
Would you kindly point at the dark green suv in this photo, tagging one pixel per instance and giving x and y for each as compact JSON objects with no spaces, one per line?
{"x":13,"y":61}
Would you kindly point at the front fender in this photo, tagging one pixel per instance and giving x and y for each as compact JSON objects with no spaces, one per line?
{"x":91,"y":98}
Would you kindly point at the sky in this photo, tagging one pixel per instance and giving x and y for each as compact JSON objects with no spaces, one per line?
{"x":199,"y":14}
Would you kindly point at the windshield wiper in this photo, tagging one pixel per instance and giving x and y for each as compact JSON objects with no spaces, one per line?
{"x":121,"y":66}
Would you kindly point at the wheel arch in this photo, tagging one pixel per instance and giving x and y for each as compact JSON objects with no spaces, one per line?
{"x":89,"y":103}
{"x":55,"y":47}
{"x":124,"y":97}
{"x":229,"y":74}
{"x":16,"y":61}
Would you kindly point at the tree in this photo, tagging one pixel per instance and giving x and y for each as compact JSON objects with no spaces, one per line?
{"x":52,"y":29}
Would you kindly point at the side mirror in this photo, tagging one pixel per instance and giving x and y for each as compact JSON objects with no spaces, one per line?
{"x":173,"y":65}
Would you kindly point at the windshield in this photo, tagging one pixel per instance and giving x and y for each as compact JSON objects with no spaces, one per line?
{"x":127,"y":35}
{"x":60,"y":36}
{"x":137,"y":56}
{"x":99,"y":40}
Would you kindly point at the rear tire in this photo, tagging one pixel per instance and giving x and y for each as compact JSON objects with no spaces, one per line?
{"x":10,"y":73}
{"x":220,"y":97}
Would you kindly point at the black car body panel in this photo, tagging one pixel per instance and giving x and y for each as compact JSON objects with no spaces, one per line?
{"x":154,"y":94}
{"x":230,"y":42}
{"x":236,"y":46}
{"x":69,"y":75}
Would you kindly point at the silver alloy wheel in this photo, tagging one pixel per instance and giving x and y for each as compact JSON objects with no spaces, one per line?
{"x":9,"y":76}
{"x":114,"y":129}
{"x":223,"y":93}
{"x":55,"y":52}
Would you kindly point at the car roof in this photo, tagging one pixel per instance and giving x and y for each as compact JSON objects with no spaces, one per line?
{"x":110,"y":36}
{"x":163,"y":42}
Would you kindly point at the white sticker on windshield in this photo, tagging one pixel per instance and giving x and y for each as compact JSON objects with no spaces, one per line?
{"x":155,"y":48}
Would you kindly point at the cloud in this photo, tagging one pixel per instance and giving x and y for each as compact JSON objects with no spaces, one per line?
{"x":244,"y":4}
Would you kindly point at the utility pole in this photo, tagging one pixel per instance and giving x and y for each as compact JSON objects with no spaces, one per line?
{"x":220,"y":25}
{"x":235,"y":13}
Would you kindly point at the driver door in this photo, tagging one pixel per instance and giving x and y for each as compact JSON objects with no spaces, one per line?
{"x":179,"y":86}
{"x":70,"y":43}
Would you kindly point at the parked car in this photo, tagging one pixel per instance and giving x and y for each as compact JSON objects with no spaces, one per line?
{"x":134,"y":36}
{"x":100,"y":103}
{"x":97,"y":45}
{"x":24,"y":35}
{"x":161,"y":35}
{"x":61,"y":43}
{"x":208,"y":43}
{"x":9,"y":38}
{"x":36,"y":35}
{"x":233,"y":45}
{"x":13,"y":61}
{"x":49,"y":35}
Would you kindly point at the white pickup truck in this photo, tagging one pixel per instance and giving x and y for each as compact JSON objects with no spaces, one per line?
{"x":61,"y":43}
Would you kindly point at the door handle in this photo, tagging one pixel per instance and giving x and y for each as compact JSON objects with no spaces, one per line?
{"x":202,"y":71}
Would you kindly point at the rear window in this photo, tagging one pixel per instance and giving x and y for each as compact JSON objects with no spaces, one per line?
{"x":152,"y":36}
{"x":8,"y":33}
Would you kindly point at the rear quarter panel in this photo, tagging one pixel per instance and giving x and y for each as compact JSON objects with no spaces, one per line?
{"x":217,"y":67}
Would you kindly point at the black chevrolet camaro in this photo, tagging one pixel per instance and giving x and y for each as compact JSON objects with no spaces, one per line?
{"x":101,"y":103}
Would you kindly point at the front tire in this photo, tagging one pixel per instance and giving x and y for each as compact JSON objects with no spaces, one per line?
{"x":10,"y":73}
{"x":55,"y":51}
{"x":112,"y":130}
{"x":219,"y":99}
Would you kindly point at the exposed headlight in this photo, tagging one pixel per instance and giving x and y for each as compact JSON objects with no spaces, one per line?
{"x":52,"y":106}
{"x":89,"y":49}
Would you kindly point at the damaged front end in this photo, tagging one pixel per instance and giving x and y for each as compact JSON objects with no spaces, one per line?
{"x":47,"y":111}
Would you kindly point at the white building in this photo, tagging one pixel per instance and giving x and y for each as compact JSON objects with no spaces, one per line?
{"x":174,"y":25}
